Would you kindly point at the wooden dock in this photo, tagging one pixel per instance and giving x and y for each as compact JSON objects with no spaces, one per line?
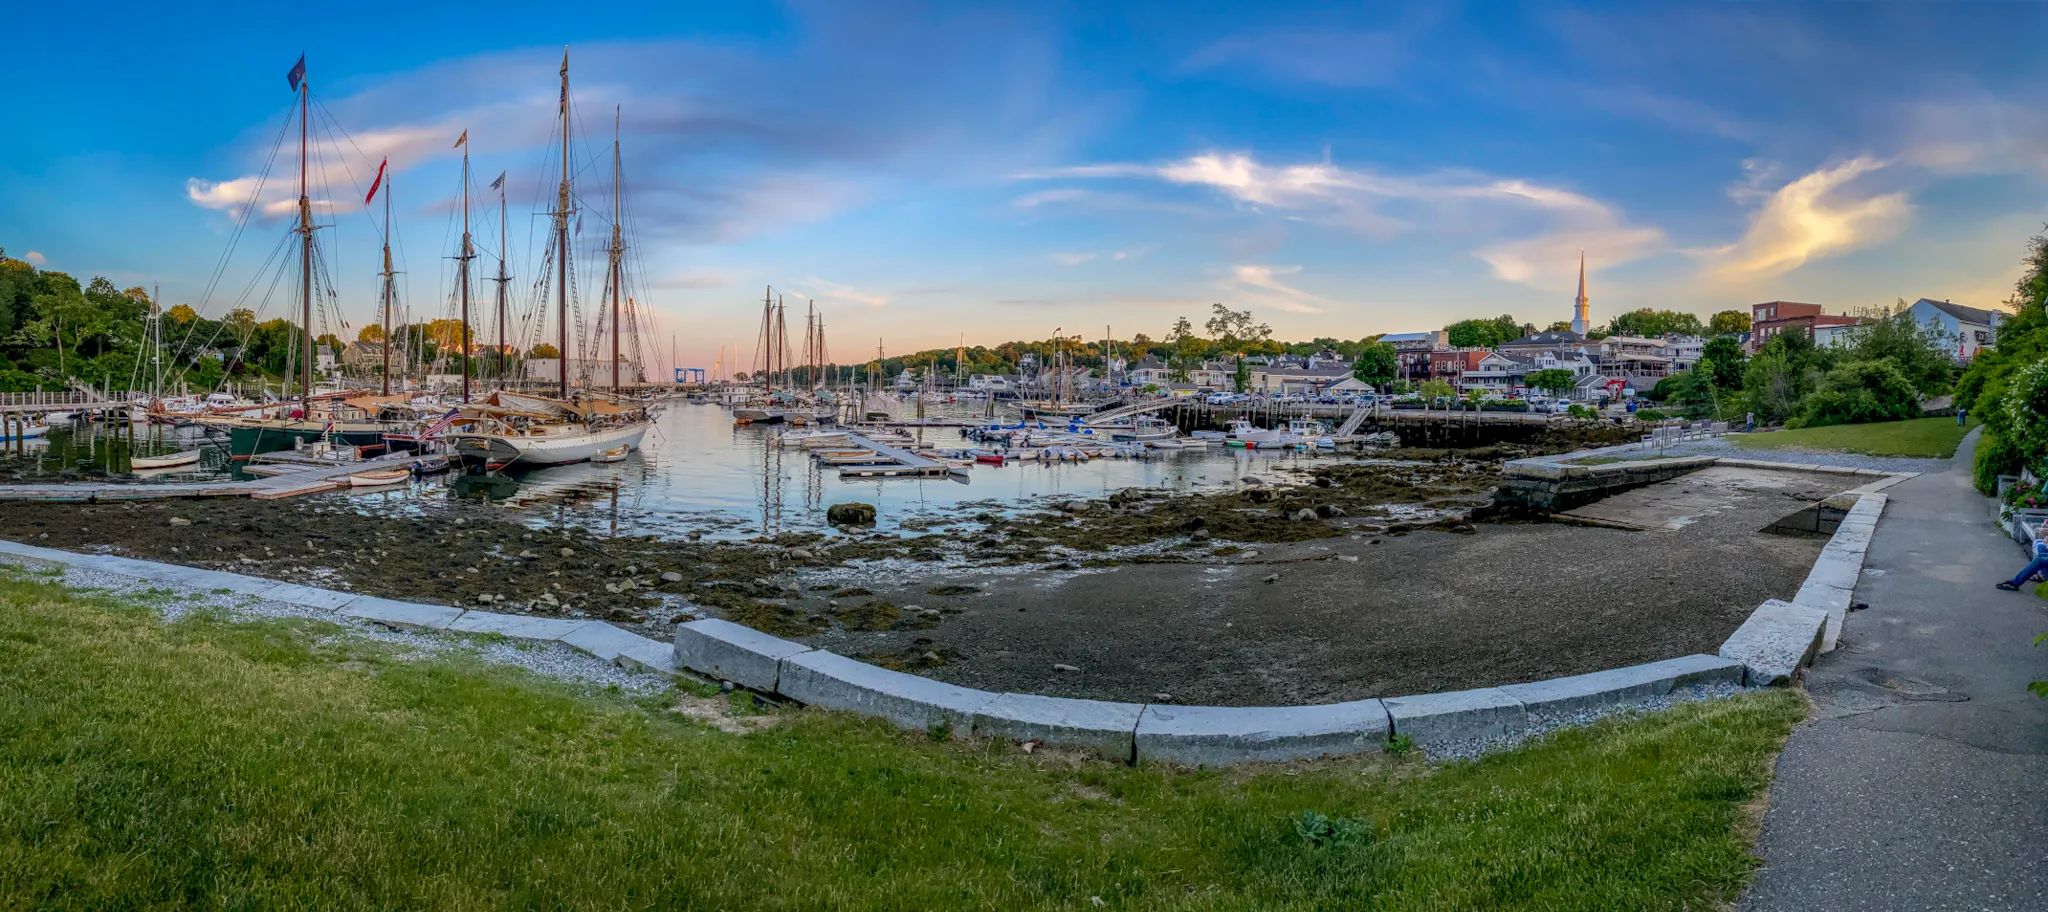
{"x":901,"y":463}
{"x":307,"y":480}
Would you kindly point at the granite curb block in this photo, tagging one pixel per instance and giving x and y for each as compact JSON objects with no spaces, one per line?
{"x":1831,"y":585}
{"x":1222,"y":735}
{"x":516,"y":626}
{"x":1103,"y":727}
{"x":1559,"y":697}
{"x":622,"y":648}
{"x":725,"y":651}
{"x":832,"y":681}
{"x":1776,"y":640}
{"x":1478,"y":714}
{"x":402,"y":615}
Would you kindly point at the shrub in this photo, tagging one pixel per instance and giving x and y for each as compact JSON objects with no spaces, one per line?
{"x":1861,"y":391}
{"x":1645,"y":414}
{"x":1995,"y":457}
{"x":2026,"y":412}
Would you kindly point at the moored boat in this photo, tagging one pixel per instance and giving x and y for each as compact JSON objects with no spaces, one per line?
{"x":376,"y":478}
{"x":170,"y":460}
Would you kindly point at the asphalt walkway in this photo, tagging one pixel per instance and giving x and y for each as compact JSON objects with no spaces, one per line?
{"x":1922,"y":782}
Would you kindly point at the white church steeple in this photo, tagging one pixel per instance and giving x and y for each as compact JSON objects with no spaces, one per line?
{"x":1581,"y":318}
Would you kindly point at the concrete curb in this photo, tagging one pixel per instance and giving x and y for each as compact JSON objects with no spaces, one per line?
{"x":620,"y":647}
{"x":1776,"y":641}
{"x":1126,"y":732}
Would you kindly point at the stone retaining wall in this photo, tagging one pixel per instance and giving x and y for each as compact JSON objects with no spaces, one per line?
{"x":1553,"y":484}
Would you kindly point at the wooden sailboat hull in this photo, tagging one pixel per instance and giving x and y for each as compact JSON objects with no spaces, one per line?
{"x":553,"y":445}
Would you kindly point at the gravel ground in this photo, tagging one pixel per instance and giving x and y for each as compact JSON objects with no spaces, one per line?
{"x":1725,"y":446}
{"x":1362,"y":615}
{"x":552,"y":660}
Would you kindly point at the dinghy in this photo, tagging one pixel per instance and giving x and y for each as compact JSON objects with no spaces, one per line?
{"x":184,"y":458}
{"x":379,"y":477}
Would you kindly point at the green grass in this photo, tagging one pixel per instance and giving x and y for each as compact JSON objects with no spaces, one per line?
{"x":1930,"y":438}
{"x":272,"y":765}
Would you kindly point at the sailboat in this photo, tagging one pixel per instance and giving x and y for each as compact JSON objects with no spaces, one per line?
{"x":262,"y":428}
{"x":506,"y":428}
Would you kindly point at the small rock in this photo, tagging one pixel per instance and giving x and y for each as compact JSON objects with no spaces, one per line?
{"x":528,"y":555}
{"x":1162,"y":698}
{"x":1464,"y":528}
{"x":1252,"y":480}
{"x":671,"y":577}
{"x":180,"y":521}
{"x":1329,"y":511}
{"x":800,"y":554}
{"x":1064,"y":667}
{"x":1200,"y":535}
{"x":1271,"y":578}
{"x":1304,"y":515}
{"x":1348,"y":558}
{"x":568,"y":552}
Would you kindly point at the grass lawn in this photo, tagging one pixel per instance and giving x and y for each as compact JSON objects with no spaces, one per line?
{"x":278,"y":765}
{"x":1933,"y":438}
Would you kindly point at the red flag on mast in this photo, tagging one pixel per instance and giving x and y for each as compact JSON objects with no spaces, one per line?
{"x":376,"y":183}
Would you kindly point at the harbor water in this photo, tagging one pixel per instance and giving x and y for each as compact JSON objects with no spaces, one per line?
{"x":697,"y":474}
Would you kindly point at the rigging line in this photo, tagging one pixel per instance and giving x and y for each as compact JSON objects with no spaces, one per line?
{"x":221,"y":325}
{"x":242,"y":220}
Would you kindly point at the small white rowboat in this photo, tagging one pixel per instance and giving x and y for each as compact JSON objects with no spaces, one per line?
{"x":166,"y":461}
{"x":615,"y":454}
{"x":379,"y":477}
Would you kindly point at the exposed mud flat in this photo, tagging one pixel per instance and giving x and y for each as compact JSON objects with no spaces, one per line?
{"x":476,"y":554}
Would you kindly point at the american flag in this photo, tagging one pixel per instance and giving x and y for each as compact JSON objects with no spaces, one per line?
{"x":445,"y":422}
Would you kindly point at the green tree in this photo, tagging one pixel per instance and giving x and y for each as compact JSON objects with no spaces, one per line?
{"x":1375,"y":364}
{"x":1184,"y":349}
{"x":1484,"y":333}
{"x":1728,"y":323}
{"x":1778,"y":379}
{"x":1650,"y":323}
{"x":1555,"y":380}
{"x":1724,"y":360}
{"x":548,"y":350}
{"x":1919,"y":352}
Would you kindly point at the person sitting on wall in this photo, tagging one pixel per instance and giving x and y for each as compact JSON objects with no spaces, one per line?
{"x":2036,"y":567}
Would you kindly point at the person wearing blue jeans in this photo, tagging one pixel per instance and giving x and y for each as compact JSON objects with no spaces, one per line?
{"x":2038,"y":565}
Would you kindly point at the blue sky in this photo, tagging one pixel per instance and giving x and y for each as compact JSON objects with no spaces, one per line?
{"x":929,"y":171}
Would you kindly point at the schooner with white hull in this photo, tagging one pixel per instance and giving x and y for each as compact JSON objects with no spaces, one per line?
{"x":510,"y":429}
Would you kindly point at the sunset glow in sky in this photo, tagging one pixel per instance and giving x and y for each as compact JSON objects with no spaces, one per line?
{"x":996,"y":171}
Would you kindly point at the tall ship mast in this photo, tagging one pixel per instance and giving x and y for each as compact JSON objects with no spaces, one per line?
{"x":512,"y":430}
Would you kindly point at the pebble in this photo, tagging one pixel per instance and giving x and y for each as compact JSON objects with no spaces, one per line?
{"x":180,"y":521}
{"x":1065,"y":667}
{"x":671,"y":577}
{"x":1271,"y":578}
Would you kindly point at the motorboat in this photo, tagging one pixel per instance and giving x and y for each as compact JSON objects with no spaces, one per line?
{"x":1144,"y":429}
{"x":615,"y":454}
{"x":23,"y":431}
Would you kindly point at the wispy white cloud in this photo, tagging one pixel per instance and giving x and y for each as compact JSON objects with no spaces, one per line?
{"x":826,"y":291}
{"x":1081,"y":257}
{"x":1261,"y":284}
{"x":34,"y":258}
{"x":1819,"y":214}
{"x":1528,"y":232}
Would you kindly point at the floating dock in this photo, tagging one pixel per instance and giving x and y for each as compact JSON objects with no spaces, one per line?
{"x":896,"y":462}
{"x":292,"y":482}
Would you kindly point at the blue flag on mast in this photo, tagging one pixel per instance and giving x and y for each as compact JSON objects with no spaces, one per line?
{"x":298,"y":72}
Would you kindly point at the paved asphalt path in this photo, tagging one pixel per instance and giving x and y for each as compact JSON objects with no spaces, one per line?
{"x":1922,"y":782}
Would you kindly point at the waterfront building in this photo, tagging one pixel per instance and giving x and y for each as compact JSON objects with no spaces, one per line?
{"x":1772,"y":317}
{"x":1962,"y":331}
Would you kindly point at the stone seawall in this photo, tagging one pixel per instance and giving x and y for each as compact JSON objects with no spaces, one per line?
{"x":1551,"y":485}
